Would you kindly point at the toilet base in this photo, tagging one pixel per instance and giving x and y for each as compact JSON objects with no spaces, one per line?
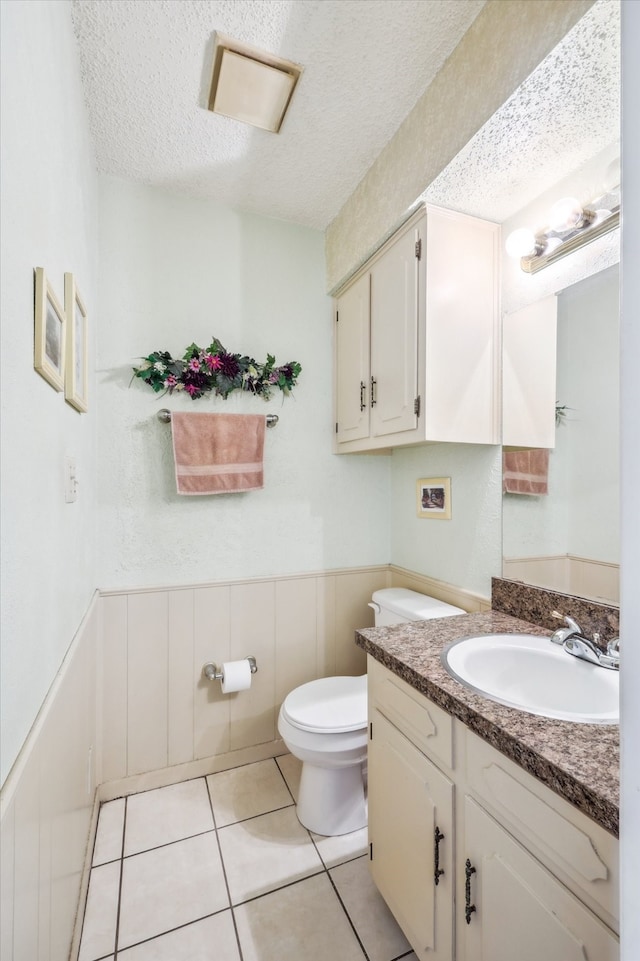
{"x":331,"y":801}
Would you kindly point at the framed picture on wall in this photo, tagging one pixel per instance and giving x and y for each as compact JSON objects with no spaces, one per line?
{"x":434,"y":498}
{"x":75,"y":378}
{"x":50,"y":331}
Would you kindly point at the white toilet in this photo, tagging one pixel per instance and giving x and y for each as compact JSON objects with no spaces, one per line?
{"x":324,"y":724}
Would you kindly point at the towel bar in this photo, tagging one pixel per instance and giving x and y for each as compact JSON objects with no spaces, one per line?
{"x":164,"y":415}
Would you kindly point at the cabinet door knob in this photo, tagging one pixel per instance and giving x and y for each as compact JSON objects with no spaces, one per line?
{"x":469,"y":908}
{"x":437,"y":871}
{"x":363,"y":387}
{"x":374,"y":384}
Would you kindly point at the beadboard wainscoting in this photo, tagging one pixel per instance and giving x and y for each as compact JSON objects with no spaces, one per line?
{"x":130,"y":711}
{"x":568,"y":574}
{"x":48,"y":813}
{"x":158,"y":713}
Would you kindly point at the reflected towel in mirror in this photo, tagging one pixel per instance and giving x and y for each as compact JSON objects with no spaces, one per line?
{"x":525,"y":471}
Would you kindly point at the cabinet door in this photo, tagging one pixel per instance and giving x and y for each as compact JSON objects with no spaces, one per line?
{"x":529,"y":375}
{"x":521,"y":910}
{"x":352,"y":362}
{"x":408,"y":799}
{"x":394,"y":337}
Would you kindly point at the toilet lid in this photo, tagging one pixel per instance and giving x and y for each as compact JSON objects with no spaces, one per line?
{"x":329,"y":704}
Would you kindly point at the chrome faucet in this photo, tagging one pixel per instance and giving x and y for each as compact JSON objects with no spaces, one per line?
{"x":574,"y":642}
{"x":564,"y":633}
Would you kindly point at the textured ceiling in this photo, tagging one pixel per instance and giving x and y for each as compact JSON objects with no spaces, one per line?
{"x":146,"y":68}
{"x":564,"y":114}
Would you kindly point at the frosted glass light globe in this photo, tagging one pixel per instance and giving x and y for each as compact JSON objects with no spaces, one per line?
{"x":520,"y":243}
{"x":565,"y":214}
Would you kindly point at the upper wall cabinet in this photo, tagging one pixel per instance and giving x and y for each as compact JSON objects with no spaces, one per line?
{"x":529,"y":375}
{"x":417,"y":335}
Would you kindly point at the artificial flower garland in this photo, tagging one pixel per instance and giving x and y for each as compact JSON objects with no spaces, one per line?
{"x":213,"y":369}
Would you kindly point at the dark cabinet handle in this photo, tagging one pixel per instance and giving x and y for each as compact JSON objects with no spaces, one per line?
{"x":438,"y":871}
{"x":363,"y":387}
{"x":374,"y":384}
{"x":469,"y":908}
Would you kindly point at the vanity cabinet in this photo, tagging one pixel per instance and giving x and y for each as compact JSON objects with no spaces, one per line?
{"x":516,"y":907}
{"x":524,"y":873}
{"x":417,"y":338}
{"x":411,"y":832}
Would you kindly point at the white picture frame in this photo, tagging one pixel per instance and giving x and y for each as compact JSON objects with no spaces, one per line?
{"x":49,"y":352}
{"x":76,"y":371}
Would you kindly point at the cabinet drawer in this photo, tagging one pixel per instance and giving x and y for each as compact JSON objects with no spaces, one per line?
{"x":426,"y":725}
{"x":576,"y":849}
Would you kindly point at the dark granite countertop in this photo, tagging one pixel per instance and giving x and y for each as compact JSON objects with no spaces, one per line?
{"x":580,"y":762}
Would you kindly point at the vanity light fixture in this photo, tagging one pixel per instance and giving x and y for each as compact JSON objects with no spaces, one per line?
{"x":571,"y":226}
{"x":250,"y":85}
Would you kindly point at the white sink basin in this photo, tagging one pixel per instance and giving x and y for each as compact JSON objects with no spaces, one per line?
{"x":530,"y":673}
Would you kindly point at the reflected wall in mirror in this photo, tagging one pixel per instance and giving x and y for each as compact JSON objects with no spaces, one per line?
{"x":558,"y":136}
{"x":568,"y":540}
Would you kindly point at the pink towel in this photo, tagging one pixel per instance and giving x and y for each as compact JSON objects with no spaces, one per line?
{"x":525,"y":471}
{"x":218,"y":453}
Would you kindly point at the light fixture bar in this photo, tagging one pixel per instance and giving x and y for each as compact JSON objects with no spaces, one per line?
{"x":534,"y":262}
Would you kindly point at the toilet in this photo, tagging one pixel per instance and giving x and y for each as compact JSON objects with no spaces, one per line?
{"x":324,"y":724}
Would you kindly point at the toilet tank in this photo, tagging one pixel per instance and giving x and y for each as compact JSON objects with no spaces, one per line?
{"x":395,"y":605}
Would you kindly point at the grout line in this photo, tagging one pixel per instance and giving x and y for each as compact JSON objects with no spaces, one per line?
{"x":161,"y":934}
{"x":124,"y":832}
{"x":343,"y":906}
{"x":167,"y":844}
{"x":281,"y":887}
{"x":254,"y":817}
{"x":284,"y":779}
{"x":224,"y":871}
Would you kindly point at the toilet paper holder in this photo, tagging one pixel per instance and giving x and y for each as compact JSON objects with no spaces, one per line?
{"x":214,"y":673}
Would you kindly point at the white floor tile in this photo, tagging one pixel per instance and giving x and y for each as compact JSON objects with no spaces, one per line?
{"x":101,"y":913}
{"x":266,"y":852}
{"x":377,"y":928}
{"x":167,"y":814}
{"x":213,"y":939}
{"x":291,"y":769}
{"x":108,"y":846}
{"x":302,"y":922}
{"x":245,"y":792}
{"x":344,"y":847}
{"x":170,"y":886}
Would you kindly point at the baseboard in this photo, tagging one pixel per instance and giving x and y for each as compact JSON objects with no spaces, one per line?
{"x":135,"y":783}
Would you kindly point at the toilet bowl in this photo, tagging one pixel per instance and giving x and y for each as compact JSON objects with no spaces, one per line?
{"x":324,"y":724}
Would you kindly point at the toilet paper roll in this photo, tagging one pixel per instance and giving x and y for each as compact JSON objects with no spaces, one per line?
{"x":236,"y":676}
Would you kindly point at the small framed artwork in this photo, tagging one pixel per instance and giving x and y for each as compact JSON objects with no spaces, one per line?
{"x":50,"y":331}
{"x":434,"y":497}
{"x":75,"y":378}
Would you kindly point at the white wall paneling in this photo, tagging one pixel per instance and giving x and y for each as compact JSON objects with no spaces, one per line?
{"x":48,"y":811}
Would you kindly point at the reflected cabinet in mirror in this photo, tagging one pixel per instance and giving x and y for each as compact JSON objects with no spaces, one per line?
{"x":567,"y":539}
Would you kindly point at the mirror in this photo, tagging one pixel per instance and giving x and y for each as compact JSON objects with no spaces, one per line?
{"x":557,"y":136}
{"x":568,"y":539}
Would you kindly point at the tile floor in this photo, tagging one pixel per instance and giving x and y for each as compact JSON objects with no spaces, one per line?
{"x":220,"y":869}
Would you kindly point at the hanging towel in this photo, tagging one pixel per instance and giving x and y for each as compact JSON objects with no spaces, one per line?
{"x":218,"y":453}
{"x":525,"y":471}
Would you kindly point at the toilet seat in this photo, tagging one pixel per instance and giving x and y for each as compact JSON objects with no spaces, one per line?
{"x":330,"y":705}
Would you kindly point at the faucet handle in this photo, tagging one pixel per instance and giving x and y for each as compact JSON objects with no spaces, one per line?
{"x":613,"y":647}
